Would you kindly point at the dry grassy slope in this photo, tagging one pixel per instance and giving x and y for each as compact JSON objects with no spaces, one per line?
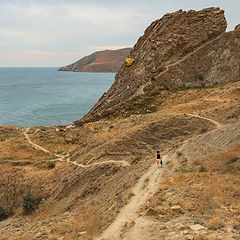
{"x":98,"y":193}
{"x":101,"y":61}
{"x":13,"y":146}
{"x":205,"y":191}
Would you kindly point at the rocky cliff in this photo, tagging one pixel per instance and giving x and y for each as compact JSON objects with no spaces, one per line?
{"x":101,"y":61}
{"x":180,"y":50}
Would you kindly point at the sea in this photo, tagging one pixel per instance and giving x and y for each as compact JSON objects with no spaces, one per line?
{"x":47,"y":97}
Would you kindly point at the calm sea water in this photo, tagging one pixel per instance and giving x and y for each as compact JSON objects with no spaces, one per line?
{"x":44,"y":96}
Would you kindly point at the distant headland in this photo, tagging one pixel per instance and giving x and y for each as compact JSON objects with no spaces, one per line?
{"x":100,"y":61}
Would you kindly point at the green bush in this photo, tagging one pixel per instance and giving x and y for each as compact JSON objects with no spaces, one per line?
{"x":30,"y":202}
{"x":4,"y":212}
{"x":202,"y":169}
{"x":51,"y":165}
{"x":186,"y":170}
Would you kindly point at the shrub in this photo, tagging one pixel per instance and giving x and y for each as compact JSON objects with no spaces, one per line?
{"x":186,"y":170}
{"x":30,"y":202}
{"x":4,"y":212}
{"x":199,"y":76}
{"x":202,"y":169}
{"x":51,"y":165}
{"x":130,"y":195}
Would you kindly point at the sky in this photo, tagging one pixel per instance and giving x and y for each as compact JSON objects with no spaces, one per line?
{"x":49,"y":33}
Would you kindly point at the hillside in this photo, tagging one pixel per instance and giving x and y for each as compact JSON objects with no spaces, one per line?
{"x":101,"y":61}
{"x":180,"y":50}
{"x":97,"y":178}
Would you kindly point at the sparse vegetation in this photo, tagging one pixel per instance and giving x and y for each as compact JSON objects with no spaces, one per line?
{"x":209,"y":197}
{"x":30,"y":202}
{"x":136,"y":159}
{"x":186,"y":170}
{"x":130,"y":195}
{"x":199,"y":76}
{"x":203,"y":188}
{"x":202,"y":169}
{"x":5,"y":212}
{"x":87,"y":224}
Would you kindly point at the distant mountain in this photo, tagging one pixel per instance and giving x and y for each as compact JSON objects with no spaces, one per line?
{"x":101,"y":61}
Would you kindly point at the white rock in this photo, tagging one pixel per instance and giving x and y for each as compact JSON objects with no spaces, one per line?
{"x":196,"y":227}
{"x":37,"y":130}
{"x":176,"y":207}
{"x":82,"y":233}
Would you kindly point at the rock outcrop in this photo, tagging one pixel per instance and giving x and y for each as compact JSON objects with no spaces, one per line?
{"x":101,"y":61}
{"x":180,"y":50}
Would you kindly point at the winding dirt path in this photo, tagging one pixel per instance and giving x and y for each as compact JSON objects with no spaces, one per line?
{"x":218,"y":125}
{"x":34,"y":144}
{"x":66,"y":158}
{"x":146,"y":186}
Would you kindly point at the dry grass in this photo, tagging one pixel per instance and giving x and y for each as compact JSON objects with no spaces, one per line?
{"x":206,"y":193}
{"x":194,"y":100}
{"x":214,"y":193}
{"x":85,"y":224}
{"x":223,"y":162}
{"x":19,"y":149}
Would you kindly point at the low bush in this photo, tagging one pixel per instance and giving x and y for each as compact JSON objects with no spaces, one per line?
{"x":4,"y":212}
{"x":30,"y":202}
{"x":186,"y":170}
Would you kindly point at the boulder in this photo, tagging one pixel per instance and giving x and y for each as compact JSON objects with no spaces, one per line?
{"x":196,"y":227}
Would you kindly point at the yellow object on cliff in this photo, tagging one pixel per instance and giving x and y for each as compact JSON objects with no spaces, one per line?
{"x":128,"y":62}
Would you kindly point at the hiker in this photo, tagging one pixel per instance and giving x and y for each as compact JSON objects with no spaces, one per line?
{"x":159,"y":159}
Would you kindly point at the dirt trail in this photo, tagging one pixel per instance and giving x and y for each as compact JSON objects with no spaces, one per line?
{"x":66,"y":158}
{"x":146,"y":186}
{"x":141,"y":89}
{"x":34,"y":144}
{"x":218,"y":125}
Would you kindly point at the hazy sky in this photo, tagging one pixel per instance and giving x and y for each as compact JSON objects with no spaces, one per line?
{"x":58,"y":32}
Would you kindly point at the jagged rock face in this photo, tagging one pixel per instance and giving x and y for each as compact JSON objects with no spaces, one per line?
{"x":182,"y":49}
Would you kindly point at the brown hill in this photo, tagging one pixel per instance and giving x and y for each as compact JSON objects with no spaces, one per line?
{"x":111,"y":177}
{"x":180,"y":50}
{"x":101,"y":61}
{"x":99,"y":180}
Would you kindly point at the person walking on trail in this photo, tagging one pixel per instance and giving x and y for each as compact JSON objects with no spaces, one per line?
{"x":159,"y":159}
